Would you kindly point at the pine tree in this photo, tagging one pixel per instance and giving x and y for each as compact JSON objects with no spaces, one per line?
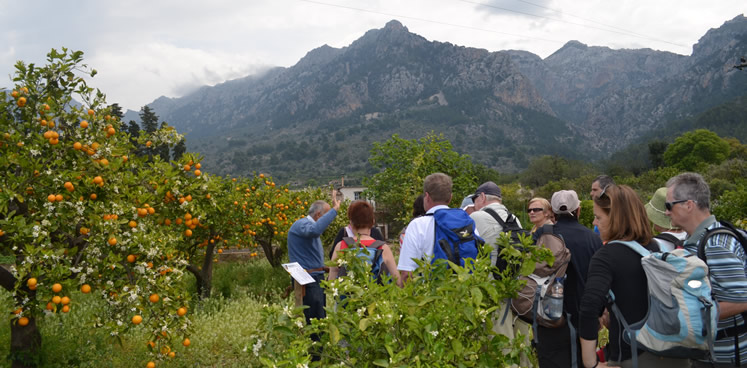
{"x":149,"y":119}
{"x":179,"y":150}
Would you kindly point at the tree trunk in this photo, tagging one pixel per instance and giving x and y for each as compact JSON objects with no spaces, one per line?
{"x":25,"y":344}
{"x":207,"y":273}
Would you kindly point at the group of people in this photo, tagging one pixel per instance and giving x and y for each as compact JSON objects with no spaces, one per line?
{"x":679,"y":213}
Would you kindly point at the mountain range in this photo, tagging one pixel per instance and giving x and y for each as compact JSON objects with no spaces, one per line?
{"x":317,"y":119}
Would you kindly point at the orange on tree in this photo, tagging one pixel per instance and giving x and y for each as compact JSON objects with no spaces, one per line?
{"x":23,"y":321}
{"x":65,"y":300}
{"x":65,"y":308}
{"x":186,"y":342}
{"x":181,"y":311}
{"x":84,"y":124}
{"x":56,"y":288}
{"x":150,"y":365}
{"x":112,"y":241}
{"x":154,"y":298}
{"x":56,"y":299}
{"x":136,"y":319}
{"x":85,"y":289}
{"x":31,"y":283}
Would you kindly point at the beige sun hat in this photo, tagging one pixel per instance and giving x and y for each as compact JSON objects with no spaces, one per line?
{"x":655,"y":209}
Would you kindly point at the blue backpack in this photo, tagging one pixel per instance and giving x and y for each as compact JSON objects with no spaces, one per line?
{"x":682,"y":315}
{"x":371,"y":254}
{"x":455,"y":238}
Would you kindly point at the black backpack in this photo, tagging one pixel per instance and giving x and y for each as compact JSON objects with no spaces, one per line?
{"x":511,"y":226}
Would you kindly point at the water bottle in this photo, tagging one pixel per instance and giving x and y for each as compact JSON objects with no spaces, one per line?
{"x":554,"y":300}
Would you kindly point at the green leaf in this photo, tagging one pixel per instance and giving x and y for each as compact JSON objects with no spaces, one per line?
{"x":456,"y":345}
{"x":363,"y":324}
{"x":334,"y":334}
{"x":381,"y":363}
{"x":527,"y":267}
{"x":477,"y":294}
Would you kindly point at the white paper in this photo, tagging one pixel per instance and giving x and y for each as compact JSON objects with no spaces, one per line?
{"x":298,"y":273}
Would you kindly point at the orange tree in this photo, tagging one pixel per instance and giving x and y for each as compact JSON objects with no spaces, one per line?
{"x":78,"y":210}
{"x":265,"y":213}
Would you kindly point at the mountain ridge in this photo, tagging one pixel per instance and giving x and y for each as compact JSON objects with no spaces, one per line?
{"x":502,"y":107}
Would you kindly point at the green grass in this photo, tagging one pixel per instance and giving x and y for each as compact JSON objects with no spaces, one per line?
{"x":223,"y":326}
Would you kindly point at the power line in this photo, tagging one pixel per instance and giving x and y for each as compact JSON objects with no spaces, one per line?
{"x":432,"y":21}
{"x":624,"y":31}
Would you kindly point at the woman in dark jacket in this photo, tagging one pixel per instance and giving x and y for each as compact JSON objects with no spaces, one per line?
{"x":620,"y":215}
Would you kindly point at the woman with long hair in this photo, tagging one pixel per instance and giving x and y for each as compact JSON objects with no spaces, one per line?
{"x":361,"y":216}
{"x":540,"y":213}
{"x":620,"y":216}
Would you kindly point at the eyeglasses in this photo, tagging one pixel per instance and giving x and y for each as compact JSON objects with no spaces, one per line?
{"x":534,"y":210}
{"x":670,"y":205}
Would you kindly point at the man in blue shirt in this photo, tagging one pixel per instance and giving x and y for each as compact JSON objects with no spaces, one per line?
{"x":305,"y":247}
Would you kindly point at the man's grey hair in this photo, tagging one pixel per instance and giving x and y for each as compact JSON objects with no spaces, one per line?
{"x":691,"y":186}
{"x":604,"y":181}
{"x":316,"y":207}
{"x":491,"y":198}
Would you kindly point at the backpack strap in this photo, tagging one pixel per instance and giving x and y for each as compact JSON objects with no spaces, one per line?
{"x":349,"y":241}
{"x":631,"y":332}
{"x":548,"y":229}
{"x":634,"y":246}
{"x":670,"y":238}
{"x":727,"y":229}
{"x":498,"y":218}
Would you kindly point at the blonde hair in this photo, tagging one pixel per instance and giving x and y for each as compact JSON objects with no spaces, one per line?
{"x":546,"y":208}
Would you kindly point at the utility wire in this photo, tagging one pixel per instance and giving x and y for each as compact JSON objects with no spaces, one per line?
{"x":433,"y":21}
{"x":624,"y":31}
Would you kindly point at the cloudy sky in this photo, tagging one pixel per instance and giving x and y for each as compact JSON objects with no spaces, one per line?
{"x":146,"y":49}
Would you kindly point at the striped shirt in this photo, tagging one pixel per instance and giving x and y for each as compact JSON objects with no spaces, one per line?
{"x":727,"y":269}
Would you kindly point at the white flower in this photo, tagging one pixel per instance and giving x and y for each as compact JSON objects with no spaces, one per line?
{"x":434,"y":333}
{"x":256,"y":347}
{"x":34,"y":152}
{"x":299,"y":323}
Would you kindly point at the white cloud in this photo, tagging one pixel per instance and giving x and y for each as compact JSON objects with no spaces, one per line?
{"x":145,"y":49}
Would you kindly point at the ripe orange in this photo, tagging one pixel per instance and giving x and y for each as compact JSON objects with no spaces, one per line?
{"x":154,"y":298}
{"x":21,"y":102}
{"x":150,"y":365}
{"x":172,"y":354}
{"x":93,"y":196}
{"x":125,"y":158}
{"x":14,"y":94}
{"x":187,"y":167}
{"x":31,"y":282}
{"x":132,"y":223}
{"x":23,"y":321}
{"x":65,"y":300}
{"x":56,"y":299}
{"x":151,"y":210}
{"x":98,"y":180}
{"x":186,"y":341}
{"x":198,"y":166}
{"x":65,"y":308}
{"x":85,"y":289}
{"x":110,"y":131}
{"x":58,"y":198}
{"x":137,"y":319}
{"x":104,"y":161}
{"x":188,"y":198}
{"x":84,"y":124}
{"x":188,"y":232}
{"x":51,"y":198}
{"x":91,"y":112}
{"x":181,"y":311}
{"x":148,"y":143}
{"x":56,"y":288}
{"x":50,"y":306}
{"x":112,"y":241}
{"x":69,"y":186}
{"x":198,"y":172}
{"x":131,"y":258}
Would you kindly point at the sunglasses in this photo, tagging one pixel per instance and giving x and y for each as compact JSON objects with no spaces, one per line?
{"x":534,"y":210}
{"x":670,"y":205}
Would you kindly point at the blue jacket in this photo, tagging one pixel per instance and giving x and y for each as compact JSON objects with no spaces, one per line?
{"x":304,"y":244}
